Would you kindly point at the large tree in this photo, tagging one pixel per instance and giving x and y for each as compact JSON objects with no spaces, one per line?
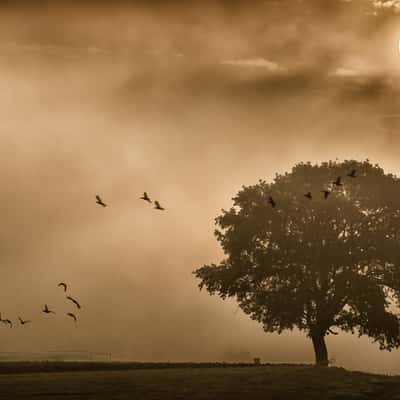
{"x":321,"y":264}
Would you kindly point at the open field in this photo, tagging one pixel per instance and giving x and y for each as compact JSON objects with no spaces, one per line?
{"x":280,"y":382}
{"x":27,"y":367}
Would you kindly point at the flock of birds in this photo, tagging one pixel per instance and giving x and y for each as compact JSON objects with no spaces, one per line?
{"x":145,"y":197}
{"x":326,"y":192}
{"x":46,"y":309}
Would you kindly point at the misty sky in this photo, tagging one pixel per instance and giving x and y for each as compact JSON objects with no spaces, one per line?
{"x":188,"y":101}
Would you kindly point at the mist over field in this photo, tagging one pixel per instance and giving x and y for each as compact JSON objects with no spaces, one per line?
{"x":187,"y":101}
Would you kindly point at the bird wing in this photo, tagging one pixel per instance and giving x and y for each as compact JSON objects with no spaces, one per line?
{"x":64,"y":285}
{"x":74,"y":301}
{"x":72,"y":316}
{"x":98,"y":198}
{"x":158,"y":205}
{"x":46,"y":309}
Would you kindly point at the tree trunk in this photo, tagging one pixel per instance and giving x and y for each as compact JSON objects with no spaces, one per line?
{"x":321,"y":352}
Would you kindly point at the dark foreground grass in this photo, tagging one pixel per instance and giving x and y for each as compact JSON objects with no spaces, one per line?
{"x":280,"y":382}
{"x":18,"y":367}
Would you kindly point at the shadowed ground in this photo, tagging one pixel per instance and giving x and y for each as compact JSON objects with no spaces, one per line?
{"x":272,"y":382}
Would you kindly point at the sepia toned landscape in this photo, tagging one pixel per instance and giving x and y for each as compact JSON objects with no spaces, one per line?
{"x":152,"y":149}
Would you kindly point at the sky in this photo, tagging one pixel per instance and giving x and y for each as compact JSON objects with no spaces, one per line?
{"x":187,"y":101}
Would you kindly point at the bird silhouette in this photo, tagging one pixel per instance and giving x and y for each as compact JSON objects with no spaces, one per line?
{"x":158,"y":206}
{"x":7,"y":321}
{"x":72,"y":315}
{"x":352,"y":174}
{"x":23,"y":322}
{"x":146,"y":197}
{"x":326,"y":193}
{"x":338,"y":181}
{"x":46,"y":310}
{"x":64,"y":285}
{"x":74,"y":301}
{"x":308,"y":195}
{"x":100,"y":201}
{"x":271,"y":201}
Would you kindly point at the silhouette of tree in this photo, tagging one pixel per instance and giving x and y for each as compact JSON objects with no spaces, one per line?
{"x":314,"y":264}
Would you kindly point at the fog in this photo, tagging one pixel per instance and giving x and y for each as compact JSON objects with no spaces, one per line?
{"x":189,"y":103}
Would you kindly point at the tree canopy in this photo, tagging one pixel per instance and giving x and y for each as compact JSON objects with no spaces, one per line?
{"x":329,"y":261}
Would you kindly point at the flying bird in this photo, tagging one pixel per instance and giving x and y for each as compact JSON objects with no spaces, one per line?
{"x":46,"y":310}
{"x":158,"y":206}
{"x":308,"y":195}
{"x":64,"y":285}
{"x":271,"y":201}
{"x":72,"y":315}
{"x":352,"y":174}
{"x":23,"y":322}
{"x":7,"y":321}
{"x":338,"y":181}
{"x":146,"y":197}
{"x":100,"y":201}
{"x":74,"y":301}
{"x":326,"y":193}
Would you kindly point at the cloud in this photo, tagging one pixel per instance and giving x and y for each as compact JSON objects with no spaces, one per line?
{"x":387,"y":4}
{"x":345,"y":72}
{"x":258,"y":62}
{"x":53,"y":49}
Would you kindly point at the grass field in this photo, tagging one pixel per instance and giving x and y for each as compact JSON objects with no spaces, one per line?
{"x":280,"y":382}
